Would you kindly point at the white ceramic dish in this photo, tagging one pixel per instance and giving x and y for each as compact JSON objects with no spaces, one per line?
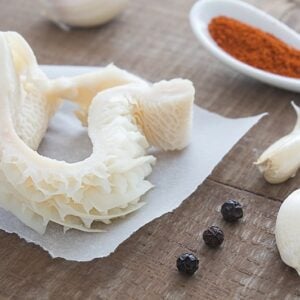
{"x":201,"y":15}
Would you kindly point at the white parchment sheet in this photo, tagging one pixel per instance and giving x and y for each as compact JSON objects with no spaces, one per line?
{"x":175,"y":176}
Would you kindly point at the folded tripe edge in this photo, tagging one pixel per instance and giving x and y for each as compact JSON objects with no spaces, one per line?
{"x":124,"y":115}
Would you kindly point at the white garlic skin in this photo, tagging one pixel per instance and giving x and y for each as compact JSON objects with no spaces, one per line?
{"x":287,"y":231}
{"x":282,"y":159}
{"x":83,"y":13}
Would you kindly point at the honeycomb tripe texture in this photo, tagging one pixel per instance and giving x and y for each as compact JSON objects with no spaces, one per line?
{"x":124,"y":115}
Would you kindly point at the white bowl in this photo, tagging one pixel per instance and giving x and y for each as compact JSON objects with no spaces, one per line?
{"x":205,"y":10}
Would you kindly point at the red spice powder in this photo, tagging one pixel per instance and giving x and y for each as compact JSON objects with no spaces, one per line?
{"x":255,"y":47}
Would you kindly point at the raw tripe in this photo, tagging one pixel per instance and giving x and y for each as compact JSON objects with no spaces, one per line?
{"x":124,"y":115}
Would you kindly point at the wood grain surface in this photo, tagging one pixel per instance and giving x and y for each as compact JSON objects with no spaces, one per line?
{"x":154,"y":40}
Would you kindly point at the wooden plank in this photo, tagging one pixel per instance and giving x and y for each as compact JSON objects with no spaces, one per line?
{"x":155,"y":41}
{"x":134,"y":42}
{"x":247,"y":266}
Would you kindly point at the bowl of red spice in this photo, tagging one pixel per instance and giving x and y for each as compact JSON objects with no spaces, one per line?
{"x":249,"y":41}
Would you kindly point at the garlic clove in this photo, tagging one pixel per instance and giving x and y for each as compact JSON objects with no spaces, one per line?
{"x":82,"y":13}
{"x":282,"y":159}
{"x":287,"y":231}
{"x":124,"y":114}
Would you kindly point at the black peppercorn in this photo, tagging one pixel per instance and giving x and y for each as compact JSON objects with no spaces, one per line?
{"x":187,"y":263}
{"x":213,"y":236}
{"x":231,"y":211}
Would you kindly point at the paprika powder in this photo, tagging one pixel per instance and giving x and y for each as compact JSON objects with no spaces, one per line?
{"x":255,"y":47}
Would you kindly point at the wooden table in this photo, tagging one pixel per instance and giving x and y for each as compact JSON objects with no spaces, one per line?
{"x":154,"y":40}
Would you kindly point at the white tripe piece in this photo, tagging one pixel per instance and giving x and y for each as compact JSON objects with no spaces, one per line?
{"x":124,"y":115}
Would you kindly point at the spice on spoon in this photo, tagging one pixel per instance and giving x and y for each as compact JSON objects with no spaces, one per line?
{"x":255,"y":47}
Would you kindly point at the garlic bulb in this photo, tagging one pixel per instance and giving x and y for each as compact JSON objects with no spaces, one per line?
{"x":287,"y":231}
{"x":282,"y":159}
{"x":83,"y":13}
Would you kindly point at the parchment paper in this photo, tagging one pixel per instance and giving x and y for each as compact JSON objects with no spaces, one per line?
{"x":176,"y":175}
